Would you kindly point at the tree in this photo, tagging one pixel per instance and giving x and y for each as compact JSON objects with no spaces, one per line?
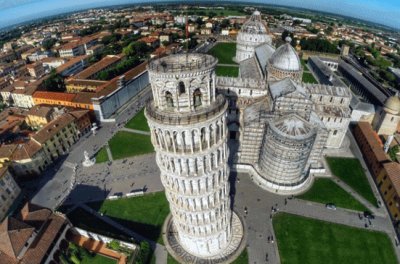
{"x":144,"y":254}
{"x":48,"y":43}
{"x":55,"y":82}
{"x":137,"y":48}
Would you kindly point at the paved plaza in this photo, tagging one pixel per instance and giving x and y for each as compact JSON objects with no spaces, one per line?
{"x":70,"y":183}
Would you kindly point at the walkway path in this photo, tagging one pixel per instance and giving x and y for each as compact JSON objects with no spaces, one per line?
{"x":136,"y":131}
{"x":228,"y":65}
{"x":109,"y":153}
{"x":361,"y":199}
{"x":98,"y":247}
{"x":159,"y":250}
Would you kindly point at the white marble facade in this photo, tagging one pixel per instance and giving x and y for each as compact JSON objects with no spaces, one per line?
{"x":188,"y":125}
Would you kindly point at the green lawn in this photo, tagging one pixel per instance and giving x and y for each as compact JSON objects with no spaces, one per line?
{"x":227,"y":71}
{"x":97,"y":259}
{"x":224,"y":52}
{"x":326,"y":191}
{"x":125,"y":144}
{"x":305,"y":240}
{"x":171,"y":260}
{"x":304,"y":64}
{"x":82,"y":219}
{"x":309,"y":78}
{"x":145,"y":215}
{"x":242,"y":259}
{"x":77,"y":254}
{"x":102,"y":156}
{"x":138,"y":122}
{"x":352,"y":173}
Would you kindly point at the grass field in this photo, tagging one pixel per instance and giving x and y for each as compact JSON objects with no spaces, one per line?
{"x":227,"y":71}
{"x":138,"y":122}
{"x":97,"y":259}
{"x":352,"y":173}
{"x":144,"y":215}
{"x":77,"y":254}
{"x":242,"y":259}
{"x":171,"y":260}
{"x":125,"y":144}
{"x":326,"y":191}
{"x":309,"y":78}
{"x":305,"y":240}
{"x":83,"y":219}
{"x":224,"y":52}
{"x":102,"y":156}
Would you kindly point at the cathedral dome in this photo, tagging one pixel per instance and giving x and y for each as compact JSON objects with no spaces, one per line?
{"x":254,"y":25}
{"x":393,"y":104}
{"x":285,"y":58}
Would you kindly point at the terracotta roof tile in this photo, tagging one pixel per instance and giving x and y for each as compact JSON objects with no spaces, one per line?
{"x":13,"y":236}
{"x":26,"y":150}
{"x":99,"y":66}
{"x":56,"y":96}
{"x":52,"y":128}
{"x":373,"y":140}
{"x":393,"y":171}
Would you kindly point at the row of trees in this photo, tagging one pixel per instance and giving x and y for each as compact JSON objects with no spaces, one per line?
{"x":118,"y":69}
{"x":319,"y":44}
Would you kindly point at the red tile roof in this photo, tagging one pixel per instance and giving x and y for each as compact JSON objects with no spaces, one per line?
{"x":56,"y":96}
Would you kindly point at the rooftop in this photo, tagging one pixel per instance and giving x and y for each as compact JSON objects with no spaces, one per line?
{"x":52,"y":128}
{"x":55,"y":96}
{"x":183,"y":62}
{"x":99,"y":66}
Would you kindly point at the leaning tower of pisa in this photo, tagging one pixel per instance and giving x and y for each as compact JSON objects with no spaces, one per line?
{"x":189,"y":133}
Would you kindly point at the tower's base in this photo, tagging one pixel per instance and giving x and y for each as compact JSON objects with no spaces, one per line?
{"x":232,"y":251}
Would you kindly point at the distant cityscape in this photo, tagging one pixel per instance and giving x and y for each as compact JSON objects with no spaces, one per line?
{"x":180,"y":133}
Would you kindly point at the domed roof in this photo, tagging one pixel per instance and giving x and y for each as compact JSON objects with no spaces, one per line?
{"x":254,"y":25}
{"x":292,"y":126}
{"x":393,"y":104}
{"x":285,"y":58}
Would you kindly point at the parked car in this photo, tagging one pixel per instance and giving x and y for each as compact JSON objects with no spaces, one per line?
{"x":330,"y":206}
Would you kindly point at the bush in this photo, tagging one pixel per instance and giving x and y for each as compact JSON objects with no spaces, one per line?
{"x":144,"y":254}
{"x":114,"y":245}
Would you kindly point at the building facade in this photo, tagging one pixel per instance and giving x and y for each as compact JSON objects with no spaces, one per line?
{"x":9,"y":191}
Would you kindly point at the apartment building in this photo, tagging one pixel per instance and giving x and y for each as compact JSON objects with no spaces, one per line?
{"x":9,"y":191}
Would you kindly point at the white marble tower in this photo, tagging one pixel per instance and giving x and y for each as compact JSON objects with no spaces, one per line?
{"x":189,"y":133}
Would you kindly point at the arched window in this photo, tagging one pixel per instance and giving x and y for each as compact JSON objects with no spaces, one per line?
{"x":182,"y":88}
{"x":197,"y":98}
{"x":169,"y":99}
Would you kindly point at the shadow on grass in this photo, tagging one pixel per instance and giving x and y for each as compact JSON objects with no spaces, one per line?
{"x":151,"y":232}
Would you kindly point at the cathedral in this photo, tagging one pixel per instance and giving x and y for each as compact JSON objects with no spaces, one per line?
{"x":266,"y":123}
{"x":282,"y":125}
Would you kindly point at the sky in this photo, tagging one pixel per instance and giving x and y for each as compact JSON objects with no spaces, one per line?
{"x":386,"y":12}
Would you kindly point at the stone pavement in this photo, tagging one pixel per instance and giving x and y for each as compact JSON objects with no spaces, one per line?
{"x":120,"y":177}
{"x":59,"y":179}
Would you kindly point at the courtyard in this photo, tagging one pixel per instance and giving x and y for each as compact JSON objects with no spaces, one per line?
{"x":306,"y":240}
